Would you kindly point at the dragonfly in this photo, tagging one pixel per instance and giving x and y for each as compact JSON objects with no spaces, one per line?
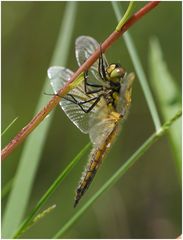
{"x":96,"y":105}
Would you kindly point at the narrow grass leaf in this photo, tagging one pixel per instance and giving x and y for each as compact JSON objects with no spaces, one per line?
{"x":51,"y":190}
{"x":167,"y":94}
{"x":139,"y":70}
{"x":39,"y":217}
{"x":8,"y":127}
{"x":33,"y":147}
{"x":119,"y":173}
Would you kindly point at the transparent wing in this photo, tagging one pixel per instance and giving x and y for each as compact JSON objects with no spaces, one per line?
{"x":85,"y":47}
{"x":101,"y":124}
{"x":101,"y":131}
{"x":58,"y":77}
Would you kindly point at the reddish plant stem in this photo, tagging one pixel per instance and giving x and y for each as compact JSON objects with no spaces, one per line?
{"x":55,"y":99}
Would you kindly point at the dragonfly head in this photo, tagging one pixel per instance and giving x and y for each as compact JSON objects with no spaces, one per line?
{"x":115,"y":71}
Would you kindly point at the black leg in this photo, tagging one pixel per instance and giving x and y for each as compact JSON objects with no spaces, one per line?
{"x":80,"y":104}
{"x":93,"y":105}
{"x":91,"y":85}
{"x":73,"y":100}
{"x":101,"y":67}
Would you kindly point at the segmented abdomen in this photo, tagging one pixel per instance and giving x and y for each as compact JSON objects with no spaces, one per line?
{"x":96,"y":156}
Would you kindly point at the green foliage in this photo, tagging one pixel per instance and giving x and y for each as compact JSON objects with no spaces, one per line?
{"x":167,"y":95}
{"x":50,"y":191}
{"x":64,"y":140}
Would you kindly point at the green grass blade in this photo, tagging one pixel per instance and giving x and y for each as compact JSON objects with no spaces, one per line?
{"x":139,"y":70}
{"x":6,"y":129}
{"x":26,"y":171}
{"x":167,"y":94}
{"x":119,"y":173}
{"x":51,"y":190}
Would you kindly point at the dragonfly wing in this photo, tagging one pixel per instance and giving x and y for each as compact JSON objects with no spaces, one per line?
{"x":101,"y":124}
{"x":101,"y":130}
{"x":85,"y":47}
{"x":59,"y":76}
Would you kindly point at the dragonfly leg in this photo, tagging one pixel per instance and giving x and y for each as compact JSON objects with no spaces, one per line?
{"x":94,"y":104}
{"x":80,"y":104}
{"x":86,"y":83}
{"x":101,"y":67}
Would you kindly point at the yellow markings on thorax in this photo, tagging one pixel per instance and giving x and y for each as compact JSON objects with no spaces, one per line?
{"x":115,"y":116}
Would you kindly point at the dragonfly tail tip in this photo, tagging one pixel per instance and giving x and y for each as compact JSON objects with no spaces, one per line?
{"x":76,"y":203}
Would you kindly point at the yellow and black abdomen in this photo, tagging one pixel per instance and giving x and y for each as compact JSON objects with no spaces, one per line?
{"x":96,"y":156}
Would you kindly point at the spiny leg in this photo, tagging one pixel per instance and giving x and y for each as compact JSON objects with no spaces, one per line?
{"x":86,"y":83}
{"x":101,"y":67}
{"x":80,"y":104}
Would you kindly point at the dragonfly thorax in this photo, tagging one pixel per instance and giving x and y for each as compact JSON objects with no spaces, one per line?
{"x":112,"y":97}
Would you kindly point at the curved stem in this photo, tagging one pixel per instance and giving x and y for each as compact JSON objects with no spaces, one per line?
{"x":124,"y":18}
{"x":56,"y":99}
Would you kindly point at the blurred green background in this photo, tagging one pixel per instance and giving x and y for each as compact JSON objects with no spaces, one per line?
{"x":146,"y":202}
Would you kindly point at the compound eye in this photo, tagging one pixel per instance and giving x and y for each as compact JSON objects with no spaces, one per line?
{"x":118,"y":72}
{"x":110,"y":69}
